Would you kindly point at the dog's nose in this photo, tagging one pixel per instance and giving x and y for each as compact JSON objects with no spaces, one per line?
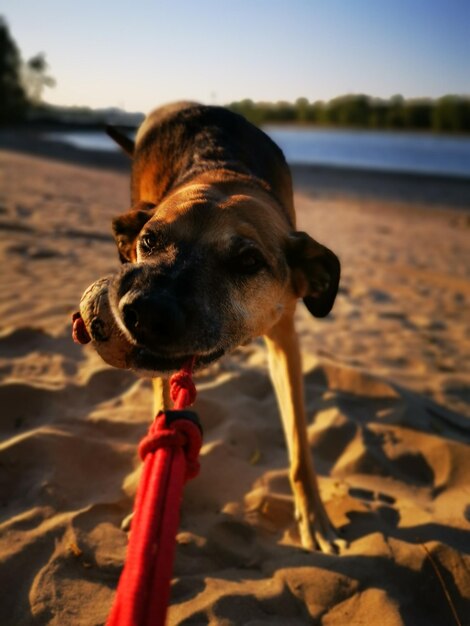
{"x":153,"y":320}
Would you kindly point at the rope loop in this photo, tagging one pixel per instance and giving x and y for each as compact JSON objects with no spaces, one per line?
{"x":181,"y":382}
{"x":181,"y":433}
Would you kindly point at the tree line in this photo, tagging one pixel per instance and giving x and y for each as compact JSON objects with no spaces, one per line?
{"x":22,"y":85}
{"x":21,"y":82}
{"x":447,"y":114}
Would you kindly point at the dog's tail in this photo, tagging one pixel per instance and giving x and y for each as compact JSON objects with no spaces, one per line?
{"x":121,"y":139}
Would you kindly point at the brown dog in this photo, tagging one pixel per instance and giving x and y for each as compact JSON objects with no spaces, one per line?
{"x":213,"y":260}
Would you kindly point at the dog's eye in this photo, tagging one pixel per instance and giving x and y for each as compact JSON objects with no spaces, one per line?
{"x":148,"y":241}
{"x":249,"y":261}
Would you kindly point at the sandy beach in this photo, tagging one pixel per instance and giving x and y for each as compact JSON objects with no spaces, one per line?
{"x":387,"y":383}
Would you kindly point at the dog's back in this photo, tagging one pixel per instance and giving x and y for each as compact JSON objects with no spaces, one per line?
{"x":181,"y":141}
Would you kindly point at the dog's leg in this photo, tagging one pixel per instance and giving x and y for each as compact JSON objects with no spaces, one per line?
{"x":316,"y":530}
{"x":161,"y":395}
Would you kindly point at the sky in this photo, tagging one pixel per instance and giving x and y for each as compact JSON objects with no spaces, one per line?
{"x":137,"y":54}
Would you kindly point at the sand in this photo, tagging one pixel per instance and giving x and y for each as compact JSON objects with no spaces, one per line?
{"x":388,"y":399}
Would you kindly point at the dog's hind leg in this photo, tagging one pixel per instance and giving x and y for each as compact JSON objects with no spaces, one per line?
{"x":316,"y":530}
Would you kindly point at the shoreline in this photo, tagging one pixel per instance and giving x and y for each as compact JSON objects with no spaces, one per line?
{"x":396,"y":187}
{"x":32,"y":142}
{"x":311,"y":180}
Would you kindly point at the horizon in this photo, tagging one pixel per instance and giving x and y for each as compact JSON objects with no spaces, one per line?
{"x":273,"y":103}
{"x":258,"y":50}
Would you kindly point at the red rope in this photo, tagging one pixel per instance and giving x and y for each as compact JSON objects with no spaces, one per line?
{"x":182,"y":389}
{"x":170,"y":458}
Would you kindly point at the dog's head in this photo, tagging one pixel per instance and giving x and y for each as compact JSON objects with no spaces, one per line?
{"x":208,"y":270}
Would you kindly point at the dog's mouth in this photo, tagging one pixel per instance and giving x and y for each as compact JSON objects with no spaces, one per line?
{"x":144,"y":359}
{"x":151,"y":361}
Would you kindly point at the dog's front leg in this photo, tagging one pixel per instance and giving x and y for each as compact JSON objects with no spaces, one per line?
{"x":316,"y":530}
{"x":161,"y":395}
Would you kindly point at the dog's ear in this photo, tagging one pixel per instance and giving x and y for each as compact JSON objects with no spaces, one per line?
{"x":315,"y":273}
{"x":127,"y":227}
{"x":121,"y":139}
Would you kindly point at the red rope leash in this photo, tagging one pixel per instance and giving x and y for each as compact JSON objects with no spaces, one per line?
{"x":170,"y":457}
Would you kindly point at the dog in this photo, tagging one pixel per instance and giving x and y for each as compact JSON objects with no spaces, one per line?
{"x":212,"y":259}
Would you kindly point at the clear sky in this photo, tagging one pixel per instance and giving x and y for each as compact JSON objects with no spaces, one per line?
{"x":139,"y":53}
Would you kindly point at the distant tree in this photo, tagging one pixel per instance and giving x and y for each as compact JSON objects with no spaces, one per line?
{"x":379,"y":111}
{"x":331,"y":113}
{"x":395,"y":116}
{"x":451,"y":113}
{"x":248,"y":109}
{"x":284,"y":112}
{"x":13,"y":101}
{"x":355,"y":111}
{"x":318,"y":112}
{"x":417,"y":113}
{"x":302,"y":110}
{"x":349,"y":110}
{"x":35,"y":77}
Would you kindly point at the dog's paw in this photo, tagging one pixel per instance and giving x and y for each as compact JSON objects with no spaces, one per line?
{"x":328,"y":540}
{"x":318,"y":533}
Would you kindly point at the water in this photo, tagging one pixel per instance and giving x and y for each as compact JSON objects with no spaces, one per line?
{"x":396,"y":152}
{"x":86,"y":140}
{"x":368,"y":150}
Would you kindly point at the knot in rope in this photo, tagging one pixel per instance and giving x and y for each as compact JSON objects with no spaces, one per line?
{"x":181,"y":433}
{"x":182,"y":389}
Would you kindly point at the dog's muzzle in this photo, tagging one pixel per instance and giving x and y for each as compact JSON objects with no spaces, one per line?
{"x":154,"y":320}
